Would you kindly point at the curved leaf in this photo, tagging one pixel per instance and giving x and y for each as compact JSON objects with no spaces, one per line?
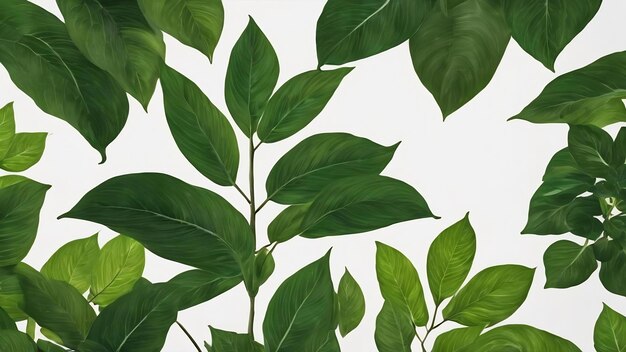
{"x":592,"y":149}
{"x":521,"y":338}
{"x":455,"y":340}
{"x":7,"y":128}
{"x":194,"y":287}
{"x":12,"y":340}
{"x":351,"y":304}
{"x":568,"y":264}
{"x":73,"y":262}
{"x":612,"y":274}
{"x":11,"y":295}
{"x":25,"y":151}
{"x":287,"y":224}
{"x":226,"y":341}
{"x":394,"y":331}
{"x":609,"y":334}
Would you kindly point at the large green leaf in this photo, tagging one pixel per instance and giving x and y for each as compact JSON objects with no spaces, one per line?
{"x":197,"y":23}
{"x":612,"y":274}
{"x":349,"y":30}
{"x":521,"y":338}
{"x":543,"y":28}
{"x":455,"y":340}
{"x":361,"y":204}
{"x":298,"y":102}
{"x":321,"y":159}
{"x":457,"y":49}
{"x":491,"y":296}
{"x":400,"y":284}
{"x":116,"y":37}
{"x":74,"y":262}
{"x":6,"y":322}
{"x":11,"y":295}
{"x":591,"y":95}
{"x":351,"y":303}
{"x":226,"y":341}
{"x":287,"y":224}
{"x":450,"y":259}
{"x":609,"y":334}
{"x":394,"y":330}
{"x":20,"y":203}
{"x":44,"y":63}
{"x":11,"y":340}
{"x":137,"y":322}
{"x":592,"y":149}
{"x":173,"y":219}
{"x":300,"y":314}
{"x":118,"y":267}
{"x":251,"y":77}
{"x":194,"y":287}
{"x":568,"y":264}
{"x":200,"y":130}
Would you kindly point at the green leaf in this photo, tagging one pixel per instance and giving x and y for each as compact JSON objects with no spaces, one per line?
{"x":138,"y":321}
{"x":543,"y":28}
{"x":394,"y":330}
{"x":450,"y":259}
{"x":200,"y":130}
{"x":264,"y":267}
{"x":321,"y":159}
{"x":351,"y":304}
{"x":615,"y":227}
{"x":20,"y":203}
{"x":400,"y":285}
{"x":40,"y":58}
{"x":226,"y":341}
{"x":591,"y":95}
{"x":520,"y":338}
{"x":173,"y":219}
{"x":12,"y":340}
{"x":455,"y":340}
{"x":25,"y":151}
{"x":56,"y":306}
{"x":300,"y":314}
{"x":298,"y":102}
{"x":609,"y":334}
{"x":117,"y":38}
{"x":197,"y":23}
{"x":612,"y":274}
{"x":6,"y":322}
{"x":619,"y":148}
{"x":568,"y":264}
{"x":198,"y":286}
{"x":118,"y":267}
{"x":74,"y":262}
{"x":11,"y":295}
{"x":592,"y":149}
{"x":7,"y":128}
{"x":251,"y":77}
{"x":287,"y":224}
{"x":349,"y":30}
{"x":47,"y":346}
{"x":457,"y":49}
{"x":361,"y":204}
{"x":491,"y":296}
{"x":605,"y":249}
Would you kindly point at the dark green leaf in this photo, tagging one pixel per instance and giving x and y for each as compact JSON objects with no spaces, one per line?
{"x":605,"y":249}
{"x":25,"y":151}
{"x":40,"y":58}
{"x":400,"y":285}
{"x":173,"y":219}
{"x":563,"y":165}
{"x":251,"y":77}
{"x":11,"y":340}
{"x":47,"y":346}
{"x":568,"y":264}
{"x":6,"y":322}
{"x":619,"y":148}
{"x":615,"y":227}
{"x":226,"y":341}
{"x":330,"y":344}
{"x":200,"y":130}
{"x":609,"y":334}
{"x":298,"y":102}
{"x":287,"y":224}
{"x":592,"y":149}
{"x":351,"y":304}
{"x":591,"y":95}
{"x":117,"y":38}
{"x":321,"y":159}
{"x":349,"y":30}
{"x":450,"y":259}
{"x":520,"y":338}
{"x":197,"y":23}
{"x":74,"y":262}
{"x":457,"y":49}
{"x":613,"y":272}
{"x":491,"y":296}
{"x":455,"y":340}
{"x":199,"y":286}
{"x":11,"y":296}
{"x":394,"y":330}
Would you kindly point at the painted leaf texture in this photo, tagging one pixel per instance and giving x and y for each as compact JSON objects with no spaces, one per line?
{"x":458,"y":48}
{"x":226,"y":341}
{"x":455,"y":340}
{"x":13,"y":340}
{"x":73,"y":263}
{"x":612,"y":274}
{"x":609,"y":334}
{"x":349,"y":30}
{"x":197,"y":23}
{"x":42,"y":61}
{"x":394,"y":330}
{"x":198,"y":286}
{"x":287,"y":224}
{"x":543,"y":28}
{"x":351,"y":303}
{"x":591,"y":95}
{"x":11,"y":295}
{"x":6,"y":322}
{"x":568,"y":264}
{"x":173,"y":219}
{"x":521,"y":338}
{"x":116,"y":37}
{"x":18,"y":151}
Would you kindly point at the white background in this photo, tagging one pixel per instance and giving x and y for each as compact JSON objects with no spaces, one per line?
{"x":475,"y":161}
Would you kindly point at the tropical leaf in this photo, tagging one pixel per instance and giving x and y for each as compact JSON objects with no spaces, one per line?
{"x":592,"y":149}
{"x":6,"y":322}
{"x":351,"y":304}
{"x":455,"y":340}
{"x":12,"y":340}
{"x":612,"y":274}
{"x":609,"y":334}
{"x":194,"y":287}
{"x":226,"y":341}
{"x":568,"y":264}
{"x":394,"y":330}
{"x":74,"y":262}
{"x":287,"y":224}
{"x":519,"y":338}
{"x":11,"y":295}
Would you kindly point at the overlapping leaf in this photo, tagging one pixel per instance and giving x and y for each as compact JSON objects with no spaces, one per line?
{"x":568,"y":264}
{"x":609,"y":334}
{"x":394,"y":330}
{"x":74,"y":262}
{"x":520,"y":338}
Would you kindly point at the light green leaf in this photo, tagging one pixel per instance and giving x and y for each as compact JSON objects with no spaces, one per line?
{"x":400,"y":285}
{"x":455,"y":340}
{"x":226,"y":341}
{"x":74,"y":262}
{"x":520,"y":338}
{"x":41,"y":59}
{"x":25,"y":151}
{"x":7,"y":128}
{"x":172,"y":219}
{"x":349,"y":30}
{"x":11,"y":340}
{"x":394,"y":330}
{"x":457,"y":49}
{"x":6,"y":322}
{"x":197,"y":23}
{"x":298,"y":102}
{"x":118,"y":267}
{"x":612,"y":274}
{"x":351,"y":304}
{"x":287,"y":224}
{"x":251,"y":77}
{"x":543,"y":28}
{"x":117,"y":38}
{"x":592,"y":149}
{"x":450,"y":259}
{"x":200,"y":130}
{"x":609,"y":334}
{"x":300,"y":314}
{"x":591,"y":95}
{"x":321,"y":159}
{"x":11,"y":295}
{"x":198,"y":286}
{"x":568,"y":264}
{"x":491,"y":296}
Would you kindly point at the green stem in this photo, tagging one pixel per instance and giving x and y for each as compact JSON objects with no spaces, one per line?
{"x":189,"y":336}
{"x":31,"y":325}
{"x":253,"y":212}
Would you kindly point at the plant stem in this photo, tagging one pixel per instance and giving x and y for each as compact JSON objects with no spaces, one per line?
{"x":253,"y":212}
{"x":432,"y":327}
{"x":31,"y":326}
{"x":188,"y":336}
{"x":241,"y":192}
{"x":251,"y":318}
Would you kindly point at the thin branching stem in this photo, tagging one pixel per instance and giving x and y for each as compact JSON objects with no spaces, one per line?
{"x":189,"y":336}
